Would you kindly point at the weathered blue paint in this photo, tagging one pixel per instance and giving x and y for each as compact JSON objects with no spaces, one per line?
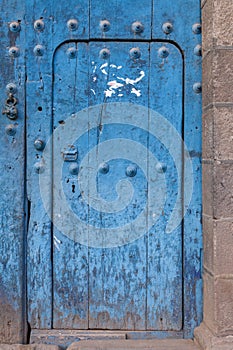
{"x":153,"y":283}
{"x":12,"y":270}
{"x":183,"y":16}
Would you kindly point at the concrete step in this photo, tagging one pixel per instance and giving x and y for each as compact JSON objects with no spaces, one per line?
{"x":158,"y":344}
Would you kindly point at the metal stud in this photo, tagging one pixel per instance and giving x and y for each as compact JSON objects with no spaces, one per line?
{"x":197,"y":88}
{"x":104,"y":168}
{"x":11,"y":129}
{"x":14,"y":51}
{"x":73,"y":169}
{"x":104,"y":54}
{"x":131,"y":170}
{"x":11,"y":88}
{"x":72,"y":24}
{"x":198,"y":50}
{"x":14,"y":27}
{"x":163,"y":52}
{"x":137,"y":27}
{"x":105,"y":25}
{"x":71,"y":52}
{"x":39,"y":167}
{"x":135,"y":53}
{"x":39,"y":25}
{"x":38,"y":50}
{"x":196,"y":28}
{"x":167,"y":28}
{"x":39,"y":144}
{"x":161,"y":167}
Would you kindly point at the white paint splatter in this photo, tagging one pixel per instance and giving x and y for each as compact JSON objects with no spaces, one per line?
{"x":104,"y":71}
{"x":109,"y":93}
{"x":114,"y":66}
{"x":104,"y":65}
{"x":92,"y":90}
{"x":94,"y":79}
{"x":136,"y":92}
{"x":133,"y":81}
{"x":114,"y":84}
{"x":56,"y":242}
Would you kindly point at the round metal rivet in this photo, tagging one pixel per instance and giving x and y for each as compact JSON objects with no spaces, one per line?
{"x":14,"y":51}
{"x":73,"y":168}
{"x":11,"y":88}
{"x":39,"y":145}
{"x":196,"y":28}
{"x":161,"y":167}
{"x":104,"y":53}
{"x":39,"y":25}
{"x":131,"y":170}
{"x":11,"y":129}
{"x":167,"y":28}
{"x":163,"y":52}
{"x":15,"y":27}
{"x":198,"y":50}
{"x":137,"y":27}
{"x":39,"y":167}
{"x":197,"y":88}
{"x":38,"y":50}
{"x":105,"y":25}
{"x":71,"y":52}
{"x":72,"y":24}
{"x":104,"y":168}
{"x":135,"y":53}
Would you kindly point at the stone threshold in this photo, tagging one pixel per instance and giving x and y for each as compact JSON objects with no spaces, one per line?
{"x":115,"y":344}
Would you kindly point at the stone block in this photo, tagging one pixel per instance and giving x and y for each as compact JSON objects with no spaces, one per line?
{"x":208,"y":341}
{"x":217,"y":23}
{"x":218,"y":245}
{"x":222,"y":132}
{"x":208,"y":134}
{"x":222,"y":20}
{"x":217,"y":189}
{"x":217,"y":77}
{"x":223,"y":190}
{"x":207,"y":25}
{"x":207,"y":187}
{"x":208,"y":242}
{"x":161,"y":344}
{"x":218,"y":303}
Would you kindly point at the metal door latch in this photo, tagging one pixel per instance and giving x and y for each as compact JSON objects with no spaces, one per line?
{"x":10,"y":107}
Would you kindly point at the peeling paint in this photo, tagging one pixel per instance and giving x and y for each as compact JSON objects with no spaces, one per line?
{"x":56,"y":242}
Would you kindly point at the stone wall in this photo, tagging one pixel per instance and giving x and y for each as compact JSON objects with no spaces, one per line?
{"x":216,"y":331}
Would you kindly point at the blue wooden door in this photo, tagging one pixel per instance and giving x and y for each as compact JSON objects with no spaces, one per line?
{"x":109,"y":100}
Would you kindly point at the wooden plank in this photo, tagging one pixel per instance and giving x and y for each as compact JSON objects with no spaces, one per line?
{"x":185,"y":34}
{"x":12,"y":184}
{"x":39,"y":111}
{"x":70,"y":258}
{"x":117,"y":278}
{"x":164,"y":295}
